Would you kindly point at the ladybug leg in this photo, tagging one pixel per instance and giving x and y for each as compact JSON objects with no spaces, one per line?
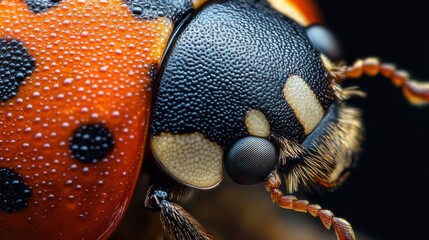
{"x":343,"y":229}
{"x":415,"y":92}
{"x":177,"y":223}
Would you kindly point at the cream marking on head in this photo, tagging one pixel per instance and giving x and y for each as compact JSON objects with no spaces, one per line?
{"x":257,"y":124}
{"x":303,"y":102}
{"x":189,"y":158}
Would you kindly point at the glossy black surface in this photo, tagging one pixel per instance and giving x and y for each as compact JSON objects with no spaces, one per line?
{"x":233,"y":57}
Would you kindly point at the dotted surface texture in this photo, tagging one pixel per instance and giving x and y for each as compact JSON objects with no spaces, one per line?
{"x":39,"y":6}
{"x":15,"y":65}
{"x":93,"y":65}
{"x":152,"y":9}
{"x":231,"y":58}
{"x":14,"y":193}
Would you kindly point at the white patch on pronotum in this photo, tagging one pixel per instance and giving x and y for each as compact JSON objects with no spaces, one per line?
{"x":190,"y":158}
{"x":303,"y":102}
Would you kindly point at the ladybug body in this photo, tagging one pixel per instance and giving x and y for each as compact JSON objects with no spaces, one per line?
{"x":245,"y":86}
{"x":76,"y":85}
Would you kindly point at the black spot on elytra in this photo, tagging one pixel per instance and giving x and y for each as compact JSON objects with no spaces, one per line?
{"x":15,"y":65}
{"x":14,"y":193}
{"x":39,"y":6}
{"x":152,"y":9}
{"x":91,"y":143}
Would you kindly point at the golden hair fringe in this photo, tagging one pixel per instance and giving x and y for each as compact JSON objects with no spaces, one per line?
{"x":333,"y":152}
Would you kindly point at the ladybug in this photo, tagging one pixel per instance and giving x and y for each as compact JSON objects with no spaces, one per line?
{"x":242,"y":88}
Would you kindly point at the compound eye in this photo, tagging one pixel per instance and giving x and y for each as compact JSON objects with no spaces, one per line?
{"x":325,"y":41}
{"x":250,"y":160}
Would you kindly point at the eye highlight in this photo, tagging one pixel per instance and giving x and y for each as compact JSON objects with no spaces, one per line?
{"x":325,"y":41}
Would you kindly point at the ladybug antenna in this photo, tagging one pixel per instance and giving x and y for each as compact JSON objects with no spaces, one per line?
{"x":416,"y":92}
{"x":343,"y":229}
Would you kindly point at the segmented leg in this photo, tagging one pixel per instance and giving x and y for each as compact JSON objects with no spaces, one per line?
{"x":343,"y":229}
{"x":416,"y":92}
{"x":177,"y":223}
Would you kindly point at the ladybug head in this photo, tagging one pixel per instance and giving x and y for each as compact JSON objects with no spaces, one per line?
{"x":244,"y":87}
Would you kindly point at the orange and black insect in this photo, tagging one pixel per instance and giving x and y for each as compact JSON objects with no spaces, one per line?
{"x":242,"y":86}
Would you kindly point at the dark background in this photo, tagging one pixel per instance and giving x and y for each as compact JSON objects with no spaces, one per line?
{"x":384,"y":195}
